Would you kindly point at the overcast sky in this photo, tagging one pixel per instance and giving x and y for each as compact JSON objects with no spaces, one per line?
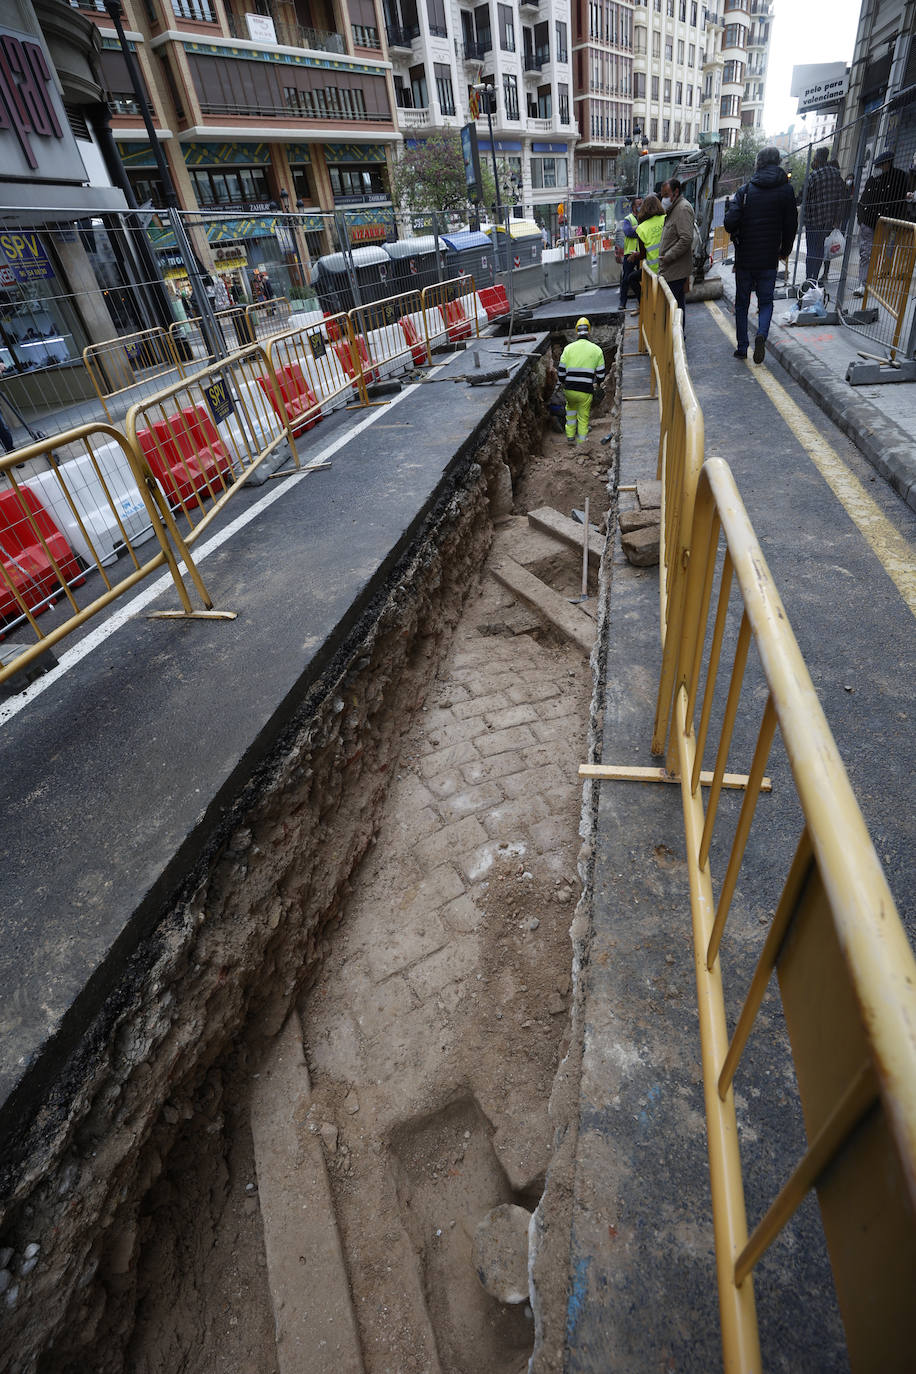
{"x":804,"y":31}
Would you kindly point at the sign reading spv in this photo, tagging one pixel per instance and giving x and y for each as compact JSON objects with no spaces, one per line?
{"x":25,"y":254}
{"x":219,"y":400}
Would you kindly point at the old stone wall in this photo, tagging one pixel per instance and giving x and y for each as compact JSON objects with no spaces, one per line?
{"x":245,"y":934}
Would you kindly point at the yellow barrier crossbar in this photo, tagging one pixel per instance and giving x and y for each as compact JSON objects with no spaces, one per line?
{"x":116,"y":366}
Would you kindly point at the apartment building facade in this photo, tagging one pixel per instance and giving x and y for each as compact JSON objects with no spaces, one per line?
{"x":440,"y":49}
{"x":259,"y":106}
{"x":883,"y":66}
{"x":755,"y":75}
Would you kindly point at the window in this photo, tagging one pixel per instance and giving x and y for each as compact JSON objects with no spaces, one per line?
{"x":402,"y":96}
{"x":689,"y":95}
{"x":435,"y":13}
{"x":352,"y":179}
{"x":482,"y":24}
{"x":693,"y":14}
{"x":444,"y":92}
{"x":548,"y":172}
{"x":563,"y":101}
{"x":670,"y":9}
{"x":734,"y":36}
{"x":679,"y":93}
{"x":510,"y":95}
{"x":682,"y":9}
{"x":639,"y":39}
{"x":733,"y":72}
{"x":691,"y":55}
{"x":667,"y":88}
{"x":655,"y":88}
{"x":236,"y":186}
{"x":418,"y":87}
{"x":669,"y":49}
{"x":201,"y":10}
{"x":542,"y":43}
{"x":653,"y":130}
{"x":545,"y":102}
{"x":666,"y":131}
{"x":562,"y":50}
{"x":677,"y":131}
{"x":680,"y":50}
{"x":656,"y":45}
{"x":639,"y":85}
{"x":506,"y":28}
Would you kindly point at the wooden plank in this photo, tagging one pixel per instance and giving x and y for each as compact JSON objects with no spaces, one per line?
{"x":567,"y":531}
{"x":555,"y":609}
{"x":622,"y":772}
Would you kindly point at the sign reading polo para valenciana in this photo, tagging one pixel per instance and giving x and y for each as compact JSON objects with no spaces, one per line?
{"x":819,"y":85}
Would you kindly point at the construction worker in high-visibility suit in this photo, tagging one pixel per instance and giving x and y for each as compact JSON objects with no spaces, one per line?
{"x":581,"y":372}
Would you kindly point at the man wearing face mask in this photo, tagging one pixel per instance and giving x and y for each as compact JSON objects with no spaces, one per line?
{"x":675,"y":251}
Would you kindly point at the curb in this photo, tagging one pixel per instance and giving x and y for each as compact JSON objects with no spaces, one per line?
{"x":886,"y":445}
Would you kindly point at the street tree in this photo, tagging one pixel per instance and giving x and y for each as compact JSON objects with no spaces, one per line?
{"x":430,"y":176}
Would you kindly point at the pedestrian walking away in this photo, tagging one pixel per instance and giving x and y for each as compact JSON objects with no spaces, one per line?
{"x":762,"y":220}
{"x":825,"y":200}
{"x":675,"y":249}
{"x":883,"y":195}
{"x":581,"y":372}
{"x":626,"y":251}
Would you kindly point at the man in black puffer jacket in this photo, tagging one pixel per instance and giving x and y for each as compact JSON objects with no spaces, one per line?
{"x":762,"y":220}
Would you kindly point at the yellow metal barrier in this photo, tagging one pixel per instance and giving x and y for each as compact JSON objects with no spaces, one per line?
{"x":846,"y":972}
{"x":118,"y":365}
{"x":721,"y":241}
{"x":268,"y":317}
{"x":450,"y":309}
{"x":890,"y":272}
{"x":71,"y":527}
{"x":394,"y":329}
{"x":316,"y":364}
{"x":205,"y":435}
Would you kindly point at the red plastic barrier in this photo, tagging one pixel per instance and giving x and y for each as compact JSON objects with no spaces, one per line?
{"x":186,"y":453}
{"x":457,"y":324}
{"x":345,"y":358}
{"x":24,"y":522}
{"x":417,"y":348}
{"x":332,"y":327}
{"x":494,"y":301}
{"x":298,"y":397}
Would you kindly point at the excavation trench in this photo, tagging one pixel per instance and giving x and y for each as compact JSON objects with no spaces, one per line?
{"x":336,"y":1054}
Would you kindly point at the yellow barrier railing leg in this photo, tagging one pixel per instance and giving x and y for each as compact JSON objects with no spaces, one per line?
{"x":187,"y":612}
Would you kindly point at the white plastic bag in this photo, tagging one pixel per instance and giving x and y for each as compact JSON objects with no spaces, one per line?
{"x":810,"y":295}
{"x":789,"y":316}
{"x":835,"y":244}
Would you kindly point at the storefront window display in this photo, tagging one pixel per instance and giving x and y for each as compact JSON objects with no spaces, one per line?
{"x":38,"y":325}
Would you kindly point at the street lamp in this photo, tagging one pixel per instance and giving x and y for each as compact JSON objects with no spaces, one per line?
{"x":489,"y":91}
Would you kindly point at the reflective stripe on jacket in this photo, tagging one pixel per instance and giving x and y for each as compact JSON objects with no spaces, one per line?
{"x":650,"y":232}
{"x":581,"y":366}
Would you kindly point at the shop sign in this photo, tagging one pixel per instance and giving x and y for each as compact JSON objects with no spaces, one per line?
{"x":35,"y":137}
{"x":260,"y":28}
{"x":819,"y":85}
{"x":7,"y":276}
{"x":26,"y":256}
{"x":219,"y":400}
{"x":360,"y":232}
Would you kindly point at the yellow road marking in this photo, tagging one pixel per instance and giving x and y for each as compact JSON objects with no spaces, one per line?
{"x":890,"y":547}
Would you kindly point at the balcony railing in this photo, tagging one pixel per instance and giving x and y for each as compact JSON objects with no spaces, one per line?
{"x":330,"y":114}
{"x":401,"y":37}
{"x":539,"y":126}
{"x":532,"y":64}
{"x":287,"y":35}
{"x":415,"y":119}
{"x":476,"y":52}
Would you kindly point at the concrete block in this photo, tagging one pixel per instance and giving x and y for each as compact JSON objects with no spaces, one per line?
{"x":554,"y":607}
{"x":638,"y":519}
{"x":641,"y":546}
{"x":649,"y":495}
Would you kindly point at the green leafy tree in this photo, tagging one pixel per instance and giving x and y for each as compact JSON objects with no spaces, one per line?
{"x":430,"y":176}
{"x":738,"y":161}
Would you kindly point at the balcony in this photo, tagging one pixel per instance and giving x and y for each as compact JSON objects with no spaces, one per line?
{"x":287,"y":35}
{"x":532,"y":65}
{"x":476,"y":52}
{"x":415,"y":119}
{"x":539,"y":126}
{"x":402,"y":38}
{"x":528,"y":4}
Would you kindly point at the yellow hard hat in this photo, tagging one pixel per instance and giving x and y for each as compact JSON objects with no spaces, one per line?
{"x":582,"y":325}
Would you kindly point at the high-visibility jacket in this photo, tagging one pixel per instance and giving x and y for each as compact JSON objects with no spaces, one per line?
{"x":650,"y":231}
{"x":581,"y":366}
{"x":630,"y":241}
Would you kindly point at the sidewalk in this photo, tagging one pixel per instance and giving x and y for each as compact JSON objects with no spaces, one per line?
{"x":880,"y":420}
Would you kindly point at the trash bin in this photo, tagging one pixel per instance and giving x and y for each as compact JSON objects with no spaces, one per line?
{"x":525,"y":238}
{"x":413,"y":263}
{"x":469,"y":253}
{"x":332,"y":282}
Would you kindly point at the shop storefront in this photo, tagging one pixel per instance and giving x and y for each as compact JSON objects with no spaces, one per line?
{"x":359,"y":182}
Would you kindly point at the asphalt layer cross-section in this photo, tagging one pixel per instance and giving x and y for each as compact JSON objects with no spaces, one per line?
{"x":642,"y":1268}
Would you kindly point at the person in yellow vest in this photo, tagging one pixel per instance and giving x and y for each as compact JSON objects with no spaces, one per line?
{"x":581,"y":372}
{"x":626,"y":244}
{"x":649,"y":231}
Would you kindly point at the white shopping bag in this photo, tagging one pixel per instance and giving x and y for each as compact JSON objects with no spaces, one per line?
{"x":835,"y":244}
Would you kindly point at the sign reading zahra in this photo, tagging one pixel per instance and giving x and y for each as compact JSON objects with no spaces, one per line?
{"x":819,"y":85}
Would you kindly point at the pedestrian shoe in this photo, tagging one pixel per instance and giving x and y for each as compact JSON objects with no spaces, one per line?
{"x":760,"y":348}
{"x":740,"y":353}
{"x":859,"y":291}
